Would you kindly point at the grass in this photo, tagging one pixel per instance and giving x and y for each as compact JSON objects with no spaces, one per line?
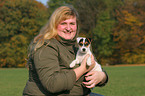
{"x":123,"y":81}
{"x":12,"y":81}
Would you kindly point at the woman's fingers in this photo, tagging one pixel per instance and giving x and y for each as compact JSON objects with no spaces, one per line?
{"x":88,"y":83}
{"x":92,"y":59}
{"x":92,"y":78}
{"x":92,"y":63}
{"x":91,"y":86}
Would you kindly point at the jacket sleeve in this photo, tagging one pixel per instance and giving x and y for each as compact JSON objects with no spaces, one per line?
{"x":49,"y":72}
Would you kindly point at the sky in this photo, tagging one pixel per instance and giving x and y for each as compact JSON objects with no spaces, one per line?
{"x":43,"y":1}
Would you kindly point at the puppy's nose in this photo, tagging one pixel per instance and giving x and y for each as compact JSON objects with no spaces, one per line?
{"x":84,"y":49}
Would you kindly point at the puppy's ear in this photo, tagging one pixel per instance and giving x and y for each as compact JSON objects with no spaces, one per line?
{"x":89,"y":39}
{"x":78,"y":39}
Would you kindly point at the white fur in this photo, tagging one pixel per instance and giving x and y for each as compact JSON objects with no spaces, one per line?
{"x":81,"y":55}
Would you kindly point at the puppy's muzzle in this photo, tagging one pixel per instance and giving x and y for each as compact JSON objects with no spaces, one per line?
{"x":83,"y":49}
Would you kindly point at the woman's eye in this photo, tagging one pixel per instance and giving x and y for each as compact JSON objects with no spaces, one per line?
{"x":63,"y":23}
{"x":72,"y":23}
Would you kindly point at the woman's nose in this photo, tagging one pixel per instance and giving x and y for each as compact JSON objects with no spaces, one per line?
{"x":68,"y":27}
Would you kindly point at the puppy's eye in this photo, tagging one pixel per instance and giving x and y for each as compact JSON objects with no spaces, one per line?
{"x":81,"y":44}
{"x":86,"y":44}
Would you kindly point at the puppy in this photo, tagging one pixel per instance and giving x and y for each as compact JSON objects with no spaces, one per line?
{"x":84,"y":49}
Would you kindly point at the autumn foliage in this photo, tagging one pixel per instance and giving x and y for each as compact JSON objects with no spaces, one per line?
{"x":20,"y":21}
{"x":129,"y":33}
{"x":117,"y":28}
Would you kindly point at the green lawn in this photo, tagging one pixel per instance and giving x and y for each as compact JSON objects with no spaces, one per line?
{"x":12,"y":81}
{"x":123,"y":81}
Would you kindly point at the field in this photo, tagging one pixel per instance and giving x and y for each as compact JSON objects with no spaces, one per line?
{"x":123,"y":81}
{"x":12,"y":81}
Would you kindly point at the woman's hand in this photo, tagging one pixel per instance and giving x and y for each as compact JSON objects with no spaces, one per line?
{"x":79,"y":71}
{"x":82,"y":68}
{"x":93,"y":78}
{"x":92,"y":64}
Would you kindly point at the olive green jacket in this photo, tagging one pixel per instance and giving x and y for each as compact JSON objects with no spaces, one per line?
{"x":50,"y":74}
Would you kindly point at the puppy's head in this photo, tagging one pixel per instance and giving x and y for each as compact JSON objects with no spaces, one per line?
{"x":84,"y":44}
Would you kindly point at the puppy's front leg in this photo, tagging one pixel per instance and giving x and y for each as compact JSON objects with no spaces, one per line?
{"x":73,"y":63}
{"x":89,"y":61}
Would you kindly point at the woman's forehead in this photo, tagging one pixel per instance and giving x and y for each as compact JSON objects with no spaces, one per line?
{"x":71,"y":19}
{"x":68,"y":17}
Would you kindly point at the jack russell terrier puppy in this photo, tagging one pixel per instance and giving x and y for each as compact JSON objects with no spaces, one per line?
{"x":84,"y":49}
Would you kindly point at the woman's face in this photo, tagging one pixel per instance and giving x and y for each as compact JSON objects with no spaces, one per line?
{"x":67,"y":28}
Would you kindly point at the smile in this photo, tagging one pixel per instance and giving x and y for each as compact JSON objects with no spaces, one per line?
{"x":67,"y":31}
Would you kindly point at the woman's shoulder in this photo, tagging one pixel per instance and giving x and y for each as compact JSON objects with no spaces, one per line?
{"x":49,"y":47}
{"x":52,"y":43}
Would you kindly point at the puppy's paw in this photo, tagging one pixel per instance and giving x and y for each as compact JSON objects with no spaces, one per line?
{"x":72,"y":64}
{"x":77,"y":61}
{"x":89,"y":61}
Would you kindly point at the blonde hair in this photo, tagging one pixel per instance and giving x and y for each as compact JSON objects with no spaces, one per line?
{"x":50,"y":29}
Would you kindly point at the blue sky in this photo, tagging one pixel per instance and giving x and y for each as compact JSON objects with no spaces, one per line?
{"x":43,"y":1}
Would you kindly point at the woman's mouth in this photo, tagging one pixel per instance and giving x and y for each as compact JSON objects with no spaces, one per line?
{"x":68,"y":31}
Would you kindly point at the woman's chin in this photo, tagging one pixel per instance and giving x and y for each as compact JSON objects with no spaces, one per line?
{"x":68,"y":36}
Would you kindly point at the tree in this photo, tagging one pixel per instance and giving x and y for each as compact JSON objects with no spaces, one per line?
{"x":102,"y":37}
{"x":88,"y":12}
{"x":102,"y":32}
{"x":129,"y":33}
{"x":20,"y":21}
{"x":53,"y":4}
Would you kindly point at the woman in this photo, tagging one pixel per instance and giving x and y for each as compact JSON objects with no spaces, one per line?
{"x":51,"y":52}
